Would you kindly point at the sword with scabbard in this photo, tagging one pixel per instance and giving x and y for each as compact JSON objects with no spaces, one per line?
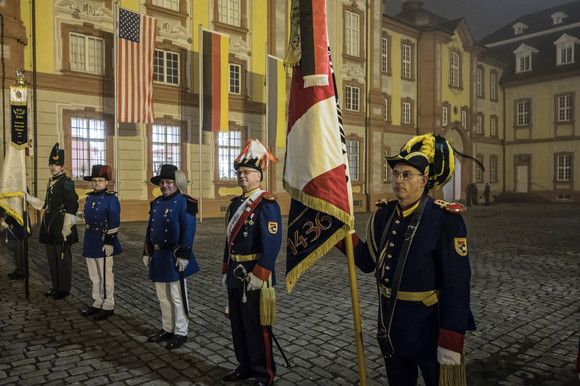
{"x":182,"y":288}
{"x":246,"y":279}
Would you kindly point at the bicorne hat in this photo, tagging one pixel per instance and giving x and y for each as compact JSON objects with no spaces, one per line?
{"x":103,"y":171}
{"x":166,"y":171}
{"x":256,"y":156}
{"x":431,"y":155}
{"x":56,"y":156}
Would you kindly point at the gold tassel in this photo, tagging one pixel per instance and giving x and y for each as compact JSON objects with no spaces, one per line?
{"x":267,"y":304}
{"x":453,"y":375}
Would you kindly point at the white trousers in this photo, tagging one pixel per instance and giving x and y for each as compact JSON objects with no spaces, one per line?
{"x":172,"y":314}
{"x":101,"y":280}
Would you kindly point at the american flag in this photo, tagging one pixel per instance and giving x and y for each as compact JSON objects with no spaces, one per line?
{"x":136,"y":51}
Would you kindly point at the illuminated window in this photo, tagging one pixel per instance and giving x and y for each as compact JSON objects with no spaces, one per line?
{"x":166,"y":146}
{"x":88,"y":140}
{"x":229,"y":147}
{"x":166,"y":67}
{"x":87,"y":53}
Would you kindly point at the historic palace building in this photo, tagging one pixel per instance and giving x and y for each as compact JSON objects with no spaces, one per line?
{"x":508,"y":100}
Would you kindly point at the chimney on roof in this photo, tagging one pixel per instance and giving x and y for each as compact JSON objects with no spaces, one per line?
{"x":411,"y":5}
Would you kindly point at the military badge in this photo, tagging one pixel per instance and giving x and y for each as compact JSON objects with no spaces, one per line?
{"x":272,"y":227}
{"x":461,"y":246}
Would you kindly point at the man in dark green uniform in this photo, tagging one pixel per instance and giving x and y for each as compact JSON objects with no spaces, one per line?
{"x":58,"y":230}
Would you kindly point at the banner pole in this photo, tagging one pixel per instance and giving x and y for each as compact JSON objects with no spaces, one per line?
{"x":355,"y":310}
{"x":200,"y":93}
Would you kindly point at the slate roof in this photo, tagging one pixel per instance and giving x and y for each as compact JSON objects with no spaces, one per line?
{"x":540,"y":34}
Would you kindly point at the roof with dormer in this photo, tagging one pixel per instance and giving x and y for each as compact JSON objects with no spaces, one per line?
{"x":542,"y":31}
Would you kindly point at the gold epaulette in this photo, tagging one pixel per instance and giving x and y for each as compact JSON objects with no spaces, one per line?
{"x":451,"y":207}
{"x":382,"y":202}
{"x":270,"y":196}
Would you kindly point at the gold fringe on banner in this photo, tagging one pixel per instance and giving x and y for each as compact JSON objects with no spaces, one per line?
{"x":453,"y":375}
{"x":267,"y":304}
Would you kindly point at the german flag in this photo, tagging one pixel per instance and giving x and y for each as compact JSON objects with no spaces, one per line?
{"x":215,"y":81}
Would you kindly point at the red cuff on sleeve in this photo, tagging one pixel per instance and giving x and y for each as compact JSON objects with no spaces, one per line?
{"x":451,"y":340}
{"x":261,"y":273}
{"x":341,"y":244}
{"x":224,"y":268}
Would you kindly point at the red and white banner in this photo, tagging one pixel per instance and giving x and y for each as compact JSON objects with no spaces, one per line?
{"x":136,"y":52}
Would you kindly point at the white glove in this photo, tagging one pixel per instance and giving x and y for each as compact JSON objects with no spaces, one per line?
{"x":448,"y":357}
{"x":69,"y":221}
{"x":108,"y":249}
{"x":3,"y":225}
{"x":146,"y":260}
{"x":225,"y":280}
{"x":255,"y":282}
{"x":36,"y":203}
{"x":181,"y":264}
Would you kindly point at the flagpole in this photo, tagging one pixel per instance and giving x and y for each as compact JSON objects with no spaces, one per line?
{"x":115,"y":97}
{"x":271,"y":149}
{"x":200,"y":93}
{"x":355,"y":310}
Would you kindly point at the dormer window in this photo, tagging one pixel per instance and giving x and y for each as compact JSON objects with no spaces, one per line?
{"x":524,"y":57}
{"x":558,"y":18}
{"x":565,"y":49}
{"x":519,"y":28}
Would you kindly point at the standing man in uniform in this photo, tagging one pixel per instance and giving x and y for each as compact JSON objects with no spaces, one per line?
{"x":58,"y":230}
{"x":254,"y":236}
{"x":424,"y":290}
{"x":486,"y":193}
{"x":168,"y":253}
{"x":102,"y":214}
{"x":14,"y":234}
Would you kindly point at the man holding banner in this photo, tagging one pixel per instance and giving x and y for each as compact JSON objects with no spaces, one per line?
{"x":254,"y":236}
{"x":417,"y":247}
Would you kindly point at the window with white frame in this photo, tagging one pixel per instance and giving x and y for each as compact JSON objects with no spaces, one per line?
{"x":406,"y":113}
{"x":351,"y":33}
{"x":564,"y":108}
{"x":565,"y":49}
{"x":385,"y":55}
{"x":454,"y":70}
{"x":558,"y":17}
{"x":87,"y":53}
{"x":479,"y":124}
{"x":166,"y":146}
{"x":235,"y":80}
{"x":493,"y":162}
{"x":407,"y":61}
{"x":519,"y":28}
{"x":479,"y":82}
{"x":169,"y":4}
{"x":386,"y":110}
{"x":351,"y":98}
{"x":563,"y":167}
{"x":166,"y":67}
{"x":493,"y":126}
{"x":353,"y":153}
{"x":524,"y":57}
{"x":229,"y":12}
{"x":229,"y":147}
{"x":464,"y":119}
{"x":444,"y":116}
{"x":523,"y":113}
{"x":478,"y":169}
{"x":88,"y":140}
{"x":493,"y":85}
{"x":387,"y":171}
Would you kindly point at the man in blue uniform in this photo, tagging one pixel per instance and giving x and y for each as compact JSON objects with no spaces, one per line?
{"x":254,"y":236}
{"x":102,"y":219}
{"x":424,"y":324}
{"x":168,"y":253}
{"x":58,"y":230}
{"x":14,"y":234}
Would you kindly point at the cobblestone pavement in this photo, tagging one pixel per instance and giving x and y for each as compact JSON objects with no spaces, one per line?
{"x":525,"y":298}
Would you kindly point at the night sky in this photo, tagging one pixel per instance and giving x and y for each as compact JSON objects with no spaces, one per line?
{"x":482,"y":16}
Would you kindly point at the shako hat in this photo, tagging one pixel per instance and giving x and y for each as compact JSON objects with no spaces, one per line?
{"x":256,"y":156}
{"x":56,"y":156}
{"x":431,"y":155}
{"x":166,"y":171}
{"x":103,"y":171}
